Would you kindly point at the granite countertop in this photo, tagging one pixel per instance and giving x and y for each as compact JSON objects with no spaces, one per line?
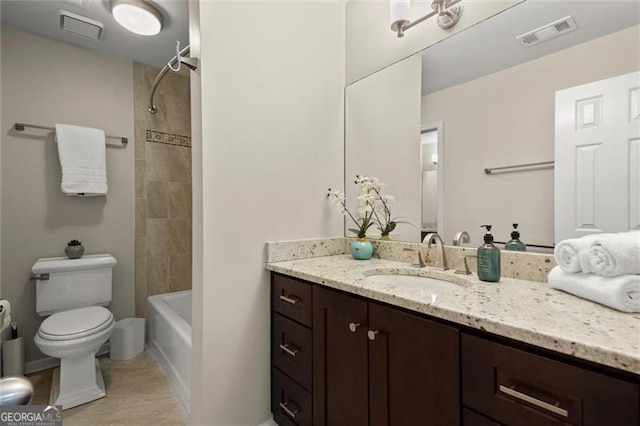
{"x":526,"y":311}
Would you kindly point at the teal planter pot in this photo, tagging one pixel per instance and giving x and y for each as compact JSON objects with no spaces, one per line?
{"x":361,"y":249}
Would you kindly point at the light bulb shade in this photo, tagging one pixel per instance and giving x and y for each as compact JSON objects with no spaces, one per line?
{"x":137,"y":16}
{"x":399,"y":10}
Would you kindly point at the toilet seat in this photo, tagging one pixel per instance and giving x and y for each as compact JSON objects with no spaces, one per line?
{"x":75,"y":323}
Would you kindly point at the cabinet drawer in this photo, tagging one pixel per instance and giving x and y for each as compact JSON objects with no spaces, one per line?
{"x":516,"y":387}
{"x":292,"y":349}
{"x":291,"y":404}
{"x":292,"y":298}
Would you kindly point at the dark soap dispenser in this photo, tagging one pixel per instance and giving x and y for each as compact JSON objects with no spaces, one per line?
{"x":515,"y":244}
{"x":488,"y":258}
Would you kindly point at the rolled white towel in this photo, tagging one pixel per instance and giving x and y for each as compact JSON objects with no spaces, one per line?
{"x":621,"y":292}
{"x":615,"y":254}
{"x":567,"y":253}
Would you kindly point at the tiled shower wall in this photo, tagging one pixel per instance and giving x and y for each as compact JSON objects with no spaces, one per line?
{"x":163,"y":185}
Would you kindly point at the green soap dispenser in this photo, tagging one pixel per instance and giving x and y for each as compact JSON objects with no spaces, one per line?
{"x":515,"y":244}
{"x":488,"y":259}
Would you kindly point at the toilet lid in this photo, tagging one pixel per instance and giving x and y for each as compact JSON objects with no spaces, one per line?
{"x":75,"y":323}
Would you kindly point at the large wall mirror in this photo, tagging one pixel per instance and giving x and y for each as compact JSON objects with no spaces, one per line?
{"x":430,"y":125}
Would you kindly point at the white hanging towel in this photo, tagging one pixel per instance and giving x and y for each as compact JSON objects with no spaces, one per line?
{"x":82,"y":152}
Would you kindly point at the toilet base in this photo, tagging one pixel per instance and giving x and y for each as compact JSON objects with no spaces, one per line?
{"x":69,"y":393}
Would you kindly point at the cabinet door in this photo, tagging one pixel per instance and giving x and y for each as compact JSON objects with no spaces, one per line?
{"x":413,"y":370}
{"x":340,"y":371}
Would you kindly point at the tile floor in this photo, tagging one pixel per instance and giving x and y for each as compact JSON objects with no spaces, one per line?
{"x":138,"y":393}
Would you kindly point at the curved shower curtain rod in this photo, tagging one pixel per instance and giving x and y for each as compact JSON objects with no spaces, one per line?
{"x":191,"y":63}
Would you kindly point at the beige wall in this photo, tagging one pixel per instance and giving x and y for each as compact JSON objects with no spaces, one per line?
{"x":508,"y":118}
{"x":272,"y":79}
{"x":371,"y":45}
{"x":46,"y":82}
{"x":163,"y":184}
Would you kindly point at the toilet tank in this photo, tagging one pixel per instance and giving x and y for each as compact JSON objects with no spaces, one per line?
{"x":73,"y":283}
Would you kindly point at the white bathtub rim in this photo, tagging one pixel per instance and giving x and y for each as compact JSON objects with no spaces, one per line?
{"x":158,"y":302}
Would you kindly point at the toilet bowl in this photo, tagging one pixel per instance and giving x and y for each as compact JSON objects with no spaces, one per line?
{"x":75,"y":336}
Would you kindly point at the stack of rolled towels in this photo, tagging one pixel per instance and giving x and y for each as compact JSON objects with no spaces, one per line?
{"x":604,"y":268}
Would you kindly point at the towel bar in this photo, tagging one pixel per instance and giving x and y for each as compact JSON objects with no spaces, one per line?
{"x":543,"y":164}
{"x":21,"y":126}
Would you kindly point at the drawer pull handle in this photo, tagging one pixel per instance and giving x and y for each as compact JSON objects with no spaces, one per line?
{"x":293,"y":300}
{"x":353,"y":326}
{"x":371,"y":334}
{"x":288,"y":350}
{"x":285,"y":408}
{"x":534,"y":401}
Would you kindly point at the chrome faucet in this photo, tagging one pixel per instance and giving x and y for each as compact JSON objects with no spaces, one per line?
{"x":434,"y":237}
{"x":461,"y":237}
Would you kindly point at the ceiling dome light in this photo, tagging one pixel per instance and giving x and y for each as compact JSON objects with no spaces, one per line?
{"x":137,"y":16}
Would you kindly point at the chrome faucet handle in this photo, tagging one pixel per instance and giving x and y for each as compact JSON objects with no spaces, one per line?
{"x":466,"y":271}
{"x":421,"y":263}
{"x":462,"y":236}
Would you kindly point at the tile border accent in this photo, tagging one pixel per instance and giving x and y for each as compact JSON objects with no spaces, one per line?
{"x":155,"y":136}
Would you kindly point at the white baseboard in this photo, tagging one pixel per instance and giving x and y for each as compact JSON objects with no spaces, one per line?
{"x":269,"y":422}
{"x":47,"y":362}
{"x":40,"y":364}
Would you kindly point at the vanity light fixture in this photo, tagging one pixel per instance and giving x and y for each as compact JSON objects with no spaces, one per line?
{"x":137,"y":16}
{"x":448,"y":14}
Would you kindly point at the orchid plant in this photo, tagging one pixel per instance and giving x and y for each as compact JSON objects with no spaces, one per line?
{"x":373,"y":207}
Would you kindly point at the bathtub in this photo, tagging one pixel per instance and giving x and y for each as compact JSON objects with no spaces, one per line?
{"x":169,"y":338}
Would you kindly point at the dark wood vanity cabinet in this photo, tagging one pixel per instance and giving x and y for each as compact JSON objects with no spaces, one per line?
{"x":341,"y":360}
{"x":376,"y":365}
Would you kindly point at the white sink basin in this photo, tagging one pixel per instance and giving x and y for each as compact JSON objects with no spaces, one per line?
{"x":416,"y":278}
{"x":415,"y":281}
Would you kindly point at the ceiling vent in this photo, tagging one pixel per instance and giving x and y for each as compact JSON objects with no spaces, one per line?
{"x":547,"y":32}
{"x":81,"y":25}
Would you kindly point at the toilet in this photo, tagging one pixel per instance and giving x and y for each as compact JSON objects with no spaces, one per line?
{"x":73,"y":293}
